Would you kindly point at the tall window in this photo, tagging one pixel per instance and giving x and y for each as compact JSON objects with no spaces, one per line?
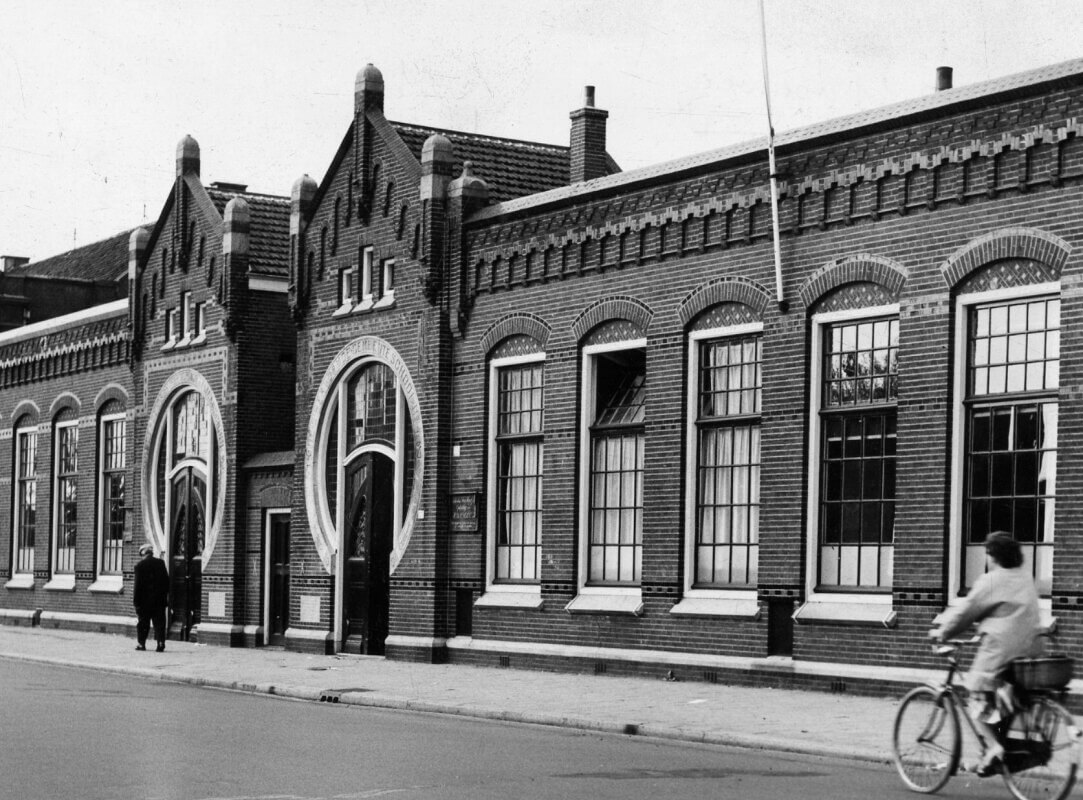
{"x":858,"y":394}
{"x":387,"y":281}
{"x":26,"y":497}
{"x":615,"y":491}
{"x":65,"y":494}
{"x":366,"y":276}
{"x":519,"y":441}
{"x":345,"y":288}
{"x":727,"y":461}
{"x":112,"y":443}
{"x":1012,"y":378}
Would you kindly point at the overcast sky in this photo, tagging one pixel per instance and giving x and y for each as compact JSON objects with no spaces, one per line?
{"x":94,"y":96}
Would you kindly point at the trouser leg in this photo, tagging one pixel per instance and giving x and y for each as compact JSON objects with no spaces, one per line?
{"x":142,"y":628}
{"x":159,"y":625}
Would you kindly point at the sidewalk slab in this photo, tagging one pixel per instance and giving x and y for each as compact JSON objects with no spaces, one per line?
{"x":763,"y":718}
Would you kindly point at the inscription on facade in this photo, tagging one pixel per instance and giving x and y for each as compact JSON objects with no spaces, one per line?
{"x":464,"y":512}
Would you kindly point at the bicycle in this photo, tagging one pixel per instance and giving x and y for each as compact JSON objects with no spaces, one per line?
{"x":1040,"y":738}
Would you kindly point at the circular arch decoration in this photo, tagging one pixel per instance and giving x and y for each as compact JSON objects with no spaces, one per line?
{"x":179,"y":382}
{"x":862,"y":267}
{"x":1018,"y":242}
{"x":351,"y":357}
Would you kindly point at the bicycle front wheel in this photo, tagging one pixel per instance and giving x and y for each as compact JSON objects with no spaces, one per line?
{"x":927,"y":740}
{"x":1041,"y":752}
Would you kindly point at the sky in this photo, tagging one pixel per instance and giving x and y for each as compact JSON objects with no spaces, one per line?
{"x":94,"y":97}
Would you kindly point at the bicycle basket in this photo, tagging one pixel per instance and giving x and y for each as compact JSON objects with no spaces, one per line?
{"x":1050,"y":672}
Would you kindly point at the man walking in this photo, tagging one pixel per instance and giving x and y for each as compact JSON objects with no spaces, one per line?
{"x":150,"y":596}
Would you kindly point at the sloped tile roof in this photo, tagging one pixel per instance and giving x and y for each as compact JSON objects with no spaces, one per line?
{"x":510,"y":167}
{"x":106,"y":260}
{"x":269,"y":238}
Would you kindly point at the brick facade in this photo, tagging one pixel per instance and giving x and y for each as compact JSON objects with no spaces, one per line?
{"x":425,"y":261}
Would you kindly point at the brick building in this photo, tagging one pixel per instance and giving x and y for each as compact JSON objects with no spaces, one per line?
{"x":485,"y":400}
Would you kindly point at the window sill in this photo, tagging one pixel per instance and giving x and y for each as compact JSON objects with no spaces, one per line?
{"x":692,"y":606}
{"x":853,"y":611}
{"x":342,"y":310}
{"x":528,"y":597}
{"x":387,"y":301}
{"x":170,"y":344}
{"x":627,"y":604}
{"x":60,"y":583}
{"x":107,"y":584}
{"x":198,"y":339}
{"x":21,"y":580}
{"x":364,"y":305}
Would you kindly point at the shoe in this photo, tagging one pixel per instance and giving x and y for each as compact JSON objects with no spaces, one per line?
{"x":160,"y":648}
{"x":140,"y":647}
{"x":990,"y":763}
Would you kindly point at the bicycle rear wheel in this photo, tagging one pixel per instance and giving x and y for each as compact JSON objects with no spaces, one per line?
{"x":1041,"y":752}
{"x":927,"y":739}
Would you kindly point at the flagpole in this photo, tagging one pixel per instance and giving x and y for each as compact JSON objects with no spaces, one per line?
{"x":771,"y":161}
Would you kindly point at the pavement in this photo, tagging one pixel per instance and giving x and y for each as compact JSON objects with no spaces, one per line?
{"x":784,"y":720}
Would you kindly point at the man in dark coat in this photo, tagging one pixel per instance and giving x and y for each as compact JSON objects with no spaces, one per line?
{"x":150,"y":596}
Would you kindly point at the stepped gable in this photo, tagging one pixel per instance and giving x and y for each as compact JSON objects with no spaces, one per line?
{"x":106,"y":260}
{"x":269,"y":238}
{"x":510,"y":167}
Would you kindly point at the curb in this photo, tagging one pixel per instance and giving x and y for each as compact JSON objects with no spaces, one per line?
{"x":653,"y":731}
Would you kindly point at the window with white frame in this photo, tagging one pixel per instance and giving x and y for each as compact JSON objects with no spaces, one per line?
{"x":345,"y":288}
{"x":186,"y":316}
{"x":727,"y":381}
{"x":857,"y":392}
{"x":366,"y":277}
{"x":200,"y":312}
{"x":615,"y":414}
{"x":26,"y":497}
{"x":172,"y":326}
{"x":112,"y":441}
{"x":387,"y":282}
{"x":65,"y":494}
{"x":517,"y":436}
{"x":1010,"y":427}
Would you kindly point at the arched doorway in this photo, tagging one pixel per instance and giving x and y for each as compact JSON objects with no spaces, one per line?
{"x":187,"y":534}
{"x":182,"y":480}
{"x":366,"y":552}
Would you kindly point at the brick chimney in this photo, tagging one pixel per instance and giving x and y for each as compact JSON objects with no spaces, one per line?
{"x":588,"y":159}
{"x":943,"y":78}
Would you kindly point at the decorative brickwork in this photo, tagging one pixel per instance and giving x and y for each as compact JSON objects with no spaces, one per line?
{"x":528,"y":325}
{"x":727,"y":290}
{"x":516,"y":345}
{"x":1009,"y":243}
{"x":885,"y":176}
{"x":1006,"y":274}
{"x":625,"y":308}
{"x":863,"y":268}
{"x":724,"y":315}
{"x":854,"y":296}
{"x":62,"y":401}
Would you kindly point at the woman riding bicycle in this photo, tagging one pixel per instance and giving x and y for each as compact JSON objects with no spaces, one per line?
{"x":1005,"y":602}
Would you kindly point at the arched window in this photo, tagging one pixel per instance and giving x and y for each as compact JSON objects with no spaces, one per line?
{"x":26,"y":501}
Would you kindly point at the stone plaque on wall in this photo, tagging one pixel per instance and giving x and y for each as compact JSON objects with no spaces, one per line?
{"x":464,"y":512}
